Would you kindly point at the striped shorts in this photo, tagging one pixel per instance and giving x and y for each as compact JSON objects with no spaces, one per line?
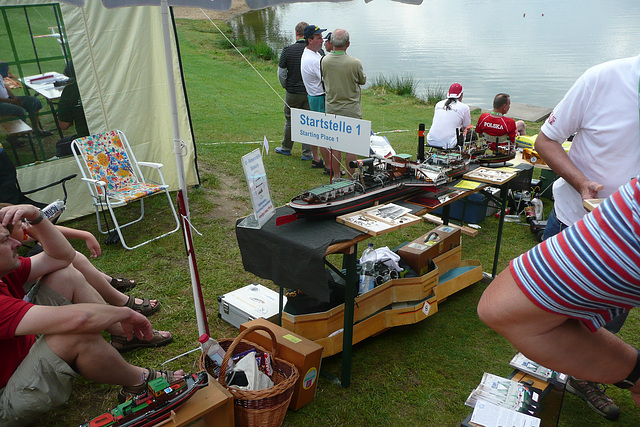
{"x":590,"y":271}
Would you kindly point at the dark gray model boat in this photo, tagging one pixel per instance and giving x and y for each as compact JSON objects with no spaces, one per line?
{"x":379,"y":180}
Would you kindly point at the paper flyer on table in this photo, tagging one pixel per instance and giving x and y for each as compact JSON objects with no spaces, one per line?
{"x":258,"y":188}
{"x":489,"y":415}
{"x":469,"y":185}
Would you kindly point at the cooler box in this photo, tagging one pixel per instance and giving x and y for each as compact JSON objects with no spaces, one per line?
{"x":474,"y":212}
{"x":418,"y":253}
{"x":245,"y":304}
{"x":305,"y":354}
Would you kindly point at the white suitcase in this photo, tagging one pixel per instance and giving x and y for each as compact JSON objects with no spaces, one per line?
{"x":248,"y":303}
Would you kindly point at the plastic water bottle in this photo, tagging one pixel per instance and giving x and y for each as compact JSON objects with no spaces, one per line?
{"x":538,"y":207}
{"x":367,"y":273}
{"x":53,"y":210}
{"x":214,"y":351}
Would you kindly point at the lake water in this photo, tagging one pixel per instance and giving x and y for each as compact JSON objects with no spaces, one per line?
{"x":533,"y":50}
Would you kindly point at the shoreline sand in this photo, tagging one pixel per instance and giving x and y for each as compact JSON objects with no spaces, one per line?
{"x":237,"y":7}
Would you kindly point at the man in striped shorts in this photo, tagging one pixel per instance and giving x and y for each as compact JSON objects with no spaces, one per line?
{"x":601,"y":111}
{"x":552,"y":302}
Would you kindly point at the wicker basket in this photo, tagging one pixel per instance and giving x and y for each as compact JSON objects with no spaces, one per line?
{"x":259,"y":408}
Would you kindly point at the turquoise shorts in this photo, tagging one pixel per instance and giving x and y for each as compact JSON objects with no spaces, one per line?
{"x":316,"y":103}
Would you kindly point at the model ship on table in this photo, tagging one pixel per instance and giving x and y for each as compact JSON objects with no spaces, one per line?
{"x":484,"y":151}
{"x":153,"y":406}
{"x":379,"y":180}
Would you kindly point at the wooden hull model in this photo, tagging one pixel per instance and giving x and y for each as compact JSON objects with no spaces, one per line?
{"x":480,"y":152}
{"x":379,"y":180}
{"x":153,"y":406}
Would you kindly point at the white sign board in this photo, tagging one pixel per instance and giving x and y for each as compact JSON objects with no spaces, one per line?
{"x":258,"y":188}
{"x":330,"y":131}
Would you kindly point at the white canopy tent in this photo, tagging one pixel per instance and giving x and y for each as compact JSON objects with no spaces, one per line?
{"x":120,"y":63}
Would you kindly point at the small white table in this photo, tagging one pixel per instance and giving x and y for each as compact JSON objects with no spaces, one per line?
{"x":43,"y":84}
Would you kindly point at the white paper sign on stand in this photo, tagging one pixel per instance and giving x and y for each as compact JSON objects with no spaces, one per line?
{"x":330,"y":131}
{"x":258,"y":189}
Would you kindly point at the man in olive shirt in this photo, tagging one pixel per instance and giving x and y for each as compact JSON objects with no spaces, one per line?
{"x":342,"y":75}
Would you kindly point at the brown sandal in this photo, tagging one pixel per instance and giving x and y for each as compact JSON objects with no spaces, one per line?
{"x":127,"y":392}
{"x":122,"y":284}
{"x":123,"y":345}
{"x":144,"y":308}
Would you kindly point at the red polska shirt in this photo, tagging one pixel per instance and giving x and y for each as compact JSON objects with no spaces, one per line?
{"x":495,"y":124}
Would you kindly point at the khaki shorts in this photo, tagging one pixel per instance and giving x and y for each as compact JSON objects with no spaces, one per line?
{"x":41,"y":383}
{"x":41,"y":294}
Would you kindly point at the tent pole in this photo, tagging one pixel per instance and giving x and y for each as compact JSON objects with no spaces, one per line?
{"x":178,"y":146}
{"x":177,"y":141}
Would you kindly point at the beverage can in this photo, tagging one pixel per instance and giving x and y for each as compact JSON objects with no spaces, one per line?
{"x":53,"y":210}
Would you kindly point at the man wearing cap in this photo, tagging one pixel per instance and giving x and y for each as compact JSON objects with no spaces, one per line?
{"x":328,"y":46}
{"x":296,"y":95}
{"x":342,"y":75}
{"x":310,"y":69}
{"x":449,"y":114}
{"x":495,"y":125}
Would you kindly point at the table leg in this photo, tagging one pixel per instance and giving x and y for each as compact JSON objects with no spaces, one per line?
{"x":351,"y":289}
{"x":280,"y":305}
{"x":503,"y":208}
{"x":446,"y":211}
{"x":55,"y":117}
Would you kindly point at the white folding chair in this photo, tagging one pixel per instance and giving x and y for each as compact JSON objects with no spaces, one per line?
{"x":114,"y":178}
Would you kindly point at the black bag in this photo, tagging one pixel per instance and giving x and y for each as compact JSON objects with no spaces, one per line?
{"x":63,"y":146}
{"x":304,"y":304}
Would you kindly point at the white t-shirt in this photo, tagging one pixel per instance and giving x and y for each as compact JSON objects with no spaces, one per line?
{"x":445,"y":122}
{"x":310,"y":69}
{"x":602,"y":107}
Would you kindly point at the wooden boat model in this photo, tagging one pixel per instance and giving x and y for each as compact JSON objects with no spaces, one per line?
{"x":153,"y":406}
{"x":379,"y":180}
{"x":482,"y":151}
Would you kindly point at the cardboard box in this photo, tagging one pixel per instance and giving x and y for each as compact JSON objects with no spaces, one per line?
{"x":250,"y":302}
{"x":305,"y":354}
{"x":213,"y":405}
{"x":418,"y":253}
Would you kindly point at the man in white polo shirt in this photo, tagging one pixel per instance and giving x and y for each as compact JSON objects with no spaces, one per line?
{"x":310,"y":69}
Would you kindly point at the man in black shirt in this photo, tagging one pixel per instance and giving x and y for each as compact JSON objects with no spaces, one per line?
{"x":70,"y":109}
{"x":296,"y":96}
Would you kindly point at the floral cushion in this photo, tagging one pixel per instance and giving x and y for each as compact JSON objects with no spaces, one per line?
{"x":107,"y":160}
{"x":135,"y":191}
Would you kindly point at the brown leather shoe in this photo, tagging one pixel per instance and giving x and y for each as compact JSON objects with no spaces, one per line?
{"x":594,"y":395}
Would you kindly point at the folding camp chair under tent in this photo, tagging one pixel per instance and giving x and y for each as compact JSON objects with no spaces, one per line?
{"x":115,"y":179}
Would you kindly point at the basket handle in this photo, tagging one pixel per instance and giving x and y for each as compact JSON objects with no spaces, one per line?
{"x":236,"y":341}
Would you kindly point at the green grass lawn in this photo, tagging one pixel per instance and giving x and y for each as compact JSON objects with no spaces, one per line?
{"x":417,"y":375}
